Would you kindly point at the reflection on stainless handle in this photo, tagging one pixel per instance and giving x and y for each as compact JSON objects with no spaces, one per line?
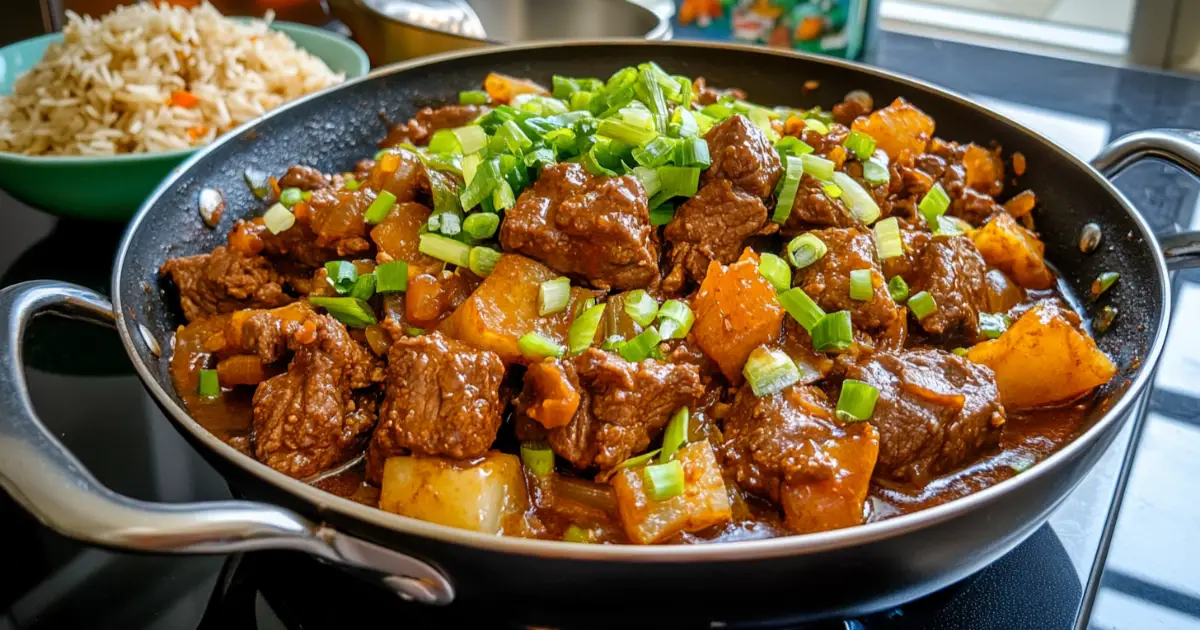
{"x":1180,"y":147}
{"x":49,"y":482}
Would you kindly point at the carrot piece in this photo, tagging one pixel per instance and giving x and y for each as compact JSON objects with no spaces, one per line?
{"x":1019,"y":163}
{"x":245,"y":237}
{"x":389,"y":163}
{"x":183,"y":98}
{"x":557,"y":399}
{"x":241,"y":369}
{"x":303,"y":211}
{"x":274,"y":186}
{"x":736,"y":312}
{"x":1021,"y":204}
{"x":502,"y":88}
{"x":197,"y":132}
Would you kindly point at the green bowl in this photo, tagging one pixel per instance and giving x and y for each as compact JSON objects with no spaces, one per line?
{"x":113,"y":187}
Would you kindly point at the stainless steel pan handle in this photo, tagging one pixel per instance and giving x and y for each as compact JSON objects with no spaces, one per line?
{"x":49,"y":482}
{"x":1180,"y":147}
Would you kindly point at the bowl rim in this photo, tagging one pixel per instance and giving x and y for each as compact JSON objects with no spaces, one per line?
{"x":360,"y":55}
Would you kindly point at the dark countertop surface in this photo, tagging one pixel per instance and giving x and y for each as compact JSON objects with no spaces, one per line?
{"x":87,"y":393}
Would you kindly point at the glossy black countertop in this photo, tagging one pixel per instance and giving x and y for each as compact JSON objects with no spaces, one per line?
{"x":86,"y":392}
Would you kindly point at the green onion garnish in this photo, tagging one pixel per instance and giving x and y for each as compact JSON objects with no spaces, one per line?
{"x":817,"y":126}
{"x":638,"y":460}
{"x":1103,"y":282}
{"x":640,"y":347}
{"x":350,"y":311}
{"x":960,"y":351}
{"x":770,"y":371}
{"x":577,"y":534}
{"x":676,"y":181}
{"x":535,"y":347}
{"x":662,"y":215}
{"x":833,"y":191}
{"x":380,"y":207}
{"x":876,"y":174}
{"x":553,"y":296}
{"x":583,"y":329}
{"x":391,"y":277}
{"x":675,"y":319}
{"x":818,"y":167}
{"x":860,"y":144}
{"x":341,"y":275}
{"x":445,"y":249}
{"x":898,"y":289}
{"x":693,"y":152}
{"x":934,"y":204}
{"x":1105,"y":318}
{"x":512,"y":137}
{"x":675,"y":436}
{"x":625,"y":132}
{"x":833,"y":333}
{"x":922,"y":304}
{"x":257,"y":181}
{"x":307,"y":195}
{"x":486,"y":177}
{"x":348,"y":183}
{"x":775,"y":270}
{"x":482,"y":260}
{"x":794,"y":172}
{"x":278,"y":219}
{"x":992,"y":325}
{"x":481,"y":225}
{"x":413,"y":331}
{"x":792,"y":146}
{"x":888,"y":242}
{"x":856,"y":403}
{"x":656,"y":153}
{"x":641,"y":307}
{"x":861,"y":284}
{"x":209,"y":387}
{"x":805,"y":250}
{"x":648,"y":178}
{"x":854,"y":195}
{"x":538,"y":458}
{"x":664,"y":481}
{"x":802,"y":308}
{"x":612,"y":342}
{"x":364,"y":287}
{"x":290,"y":197}
{"x":470,"y":164}
{"x":473,"y":97}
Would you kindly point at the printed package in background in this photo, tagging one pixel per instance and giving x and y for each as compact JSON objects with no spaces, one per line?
{"x":830,"y":27}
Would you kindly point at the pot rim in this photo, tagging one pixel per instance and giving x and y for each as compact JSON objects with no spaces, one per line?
{"x":715,"y":552}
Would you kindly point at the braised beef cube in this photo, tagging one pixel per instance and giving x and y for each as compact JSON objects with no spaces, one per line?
{"x":742,"y":154}
{"x":622,"y":406}
{"x":295,"y":248}
{"x":857,"y":103}
{"x":268,"y":334}
{"x":936,"y":411}
{"x":813,"y":208}
{"x":970,"y":175}
{"x":706,"y":95}
{"x":310,"y":418}
{"x":223,"y":281}
{"x":304,"y":178}
{"x":442,"y":398}
{"x":713,"y":225}
{"x":788,"y":448}
{"x":951,"y":269}
{"x":420,"y":128}
{"x":828,"y":280}
{"x":597,"y":228}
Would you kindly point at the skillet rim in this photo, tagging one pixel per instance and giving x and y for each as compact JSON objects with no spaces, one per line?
{"x":795,"y":545}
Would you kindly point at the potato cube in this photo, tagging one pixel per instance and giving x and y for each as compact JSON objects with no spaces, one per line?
{"x":704,"y":501}
{"x":482,"y":497}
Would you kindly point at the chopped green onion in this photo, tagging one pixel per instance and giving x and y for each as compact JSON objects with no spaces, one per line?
{"x":445,"y":249}
{"x":1021,"y":463}
{"x":413,"y":331}
{"x":662,"y":215}
{"x":470,"y":164}
{"x":1104,"y":320}
{"x":770,"y":371}
{"x":717,"y":111}
{"x":876,"y":174}
{"x":341,"y":275}
{"x":675,"y":435}
{"x":577,"y":534}
{"x":675,"y":319}
{"x":350,"y":311}
{"x":348,"y":183}
{"x":538,"y":458}
{"x":641,"y":346}
{"x":922,"y":304}
{"x":857,"y":401}
{"x":364,"y":287}
{"x":583,"y":329}
{"x":693,"y":152}
{"x":676,"y":181}
{"x":612,"y":342}
{"x":391,"y":277}
{"x":657,"y":153}
{"x":563,"y":87}
{"x":1103,"y":282}
{"x":860,"y":144}
{"x":949,"y":226}
{"x":486,"y":177}
{"x":792,"y":146}
{"x":861,"y":281}
{"x":481,"y":225}
{"x":934,"y":204}
{"x":380,"y":207}
{"x":444,"y":141}
{"x":593,"y":165}
{"x":833,"y":191}
{"x":775,"y":270}
{"x":553,"y":296}
{"x":641,"y":307}
{"x":684,"y":125}
{"x":664,"y":481}
{"x":888,"y":242}
{"x":257,"y":181}
{"x":625,"y":132}
{"x":793,"y":173}
{"x":472,"y":138}
{"x":535,"y":347}
{"x":502,"y":196}
{"x":512,"y":137}
{"x":818,"y":167}
{"x":833,"y":333}
{"x":539,"y":105}
{"x":290,"y":197}
{"x":802,"y":308}
{"x":307,"y":195}
{"x":960,"y":351}
{"x":278,"y":219}
{"x":638,"y":460}
{"x":209,"y":387}
{"x":861,"y":204}
{"x":482,"y":260}
{"x":993,"y":325}
{"x":805,"y":250}
{"x":473,"y":97}
{"x":816,"y":125}
{"x":648,"y":177}
{"x":898,"y":289}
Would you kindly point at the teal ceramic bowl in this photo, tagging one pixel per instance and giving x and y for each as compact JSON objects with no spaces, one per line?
{"x":112,"y":188}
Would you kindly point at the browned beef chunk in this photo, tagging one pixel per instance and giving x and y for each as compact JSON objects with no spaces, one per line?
{"x":597,"y":228}
{"x":936,"y":411}
{"x":742,"y":154}
{"x":828,"y":280}
{"x":706,"y":95}
{"x":622,"y":406}
{"x":971,"y":190}
{"x":303,"y":177}
{"x":857,"y":103}
{"x":418,"y":130}
{"x":295,"y":249}
{"x":787,"y":447}
{"x":952,"y":271}
{"x":223,"y":281}
{"x":309,"y":418}
{"x":713,"y":225}
{"x":267,"y":333}
{"x":443,"y":398}
{"x":813,"y":208}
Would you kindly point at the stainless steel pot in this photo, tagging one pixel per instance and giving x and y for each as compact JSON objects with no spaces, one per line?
{"x":844,"y":572}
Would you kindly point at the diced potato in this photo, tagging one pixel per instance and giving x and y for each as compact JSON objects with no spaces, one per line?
{"x":1002,"y":293}
{"x":837,"y":502}
{"x":704,"y":501}
{"x":897,"y":128}
{"x":1015,"y":251}
{"x":736,"y":312}
{"x":1042,"y":359}
{"x":505,"y":307}
{"x":1021,"y":204}
{"x":985,"y":169}
{"x":502,"y":88}
{"x":398,"y":236}
{"x":482,"y":497}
